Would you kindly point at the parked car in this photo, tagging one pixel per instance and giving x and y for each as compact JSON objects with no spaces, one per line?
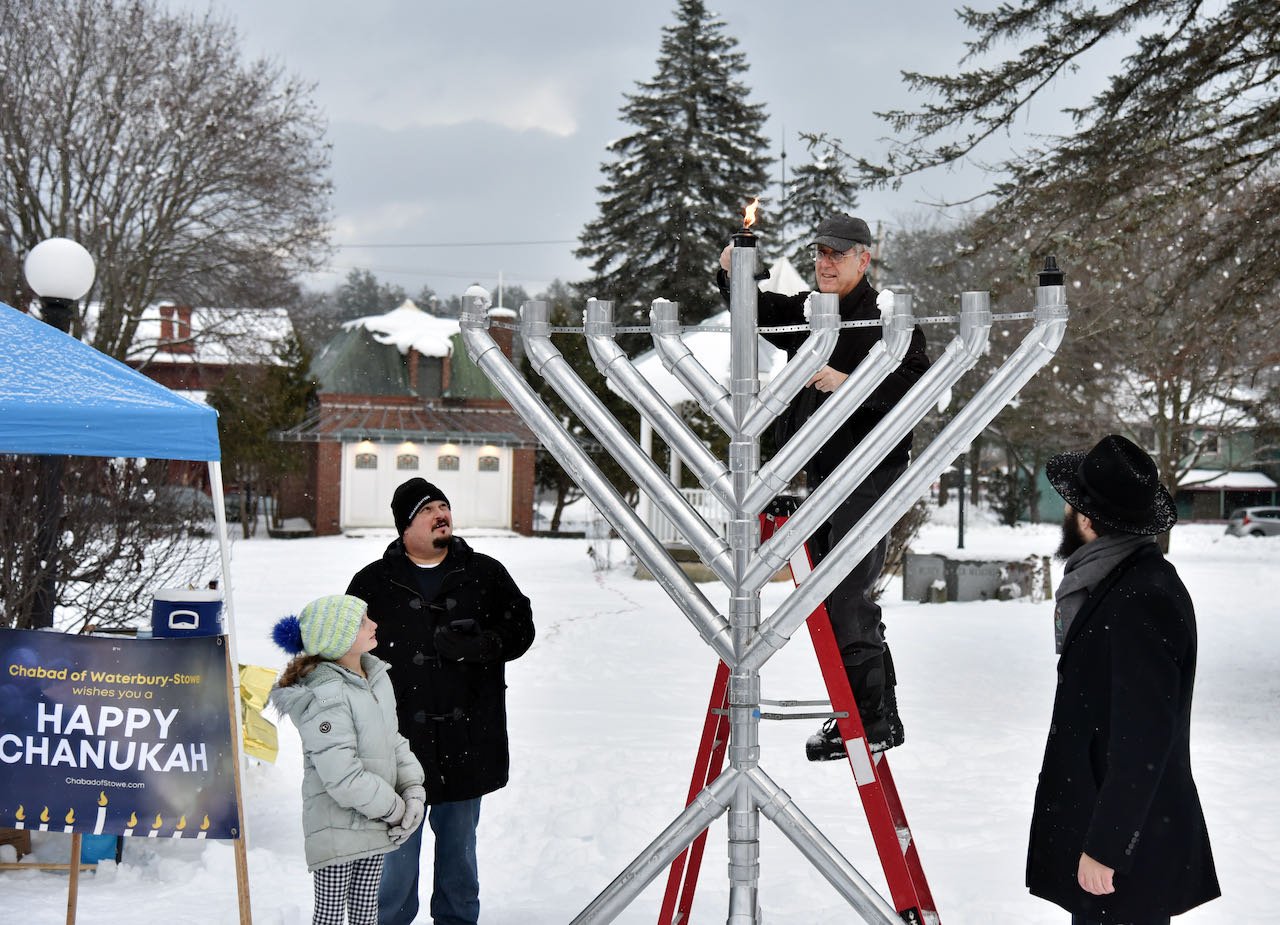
{"x":1254,"y":521}
{"x":186,"y":505}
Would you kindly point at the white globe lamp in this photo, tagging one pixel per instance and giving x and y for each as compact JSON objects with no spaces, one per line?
{"x":59,"y":271}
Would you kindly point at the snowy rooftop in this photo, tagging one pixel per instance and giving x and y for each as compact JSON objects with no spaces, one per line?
{"x":1136,"y":405}
{"x":219,"y":336}
{"x":409,"y":326}
{"x":1217,"y":480}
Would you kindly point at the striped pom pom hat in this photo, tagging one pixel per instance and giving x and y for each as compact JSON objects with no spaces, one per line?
{"x":329,"y":625}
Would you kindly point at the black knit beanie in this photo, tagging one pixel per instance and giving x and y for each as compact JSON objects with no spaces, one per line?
{"x":412,"y":497}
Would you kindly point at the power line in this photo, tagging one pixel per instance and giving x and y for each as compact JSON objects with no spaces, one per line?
{"x":466,"y":244}
{"x":338,"y":269}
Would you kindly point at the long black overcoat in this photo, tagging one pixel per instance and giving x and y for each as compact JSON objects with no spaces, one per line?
{"x":453,"y":713}
{"x":1116,"y":781}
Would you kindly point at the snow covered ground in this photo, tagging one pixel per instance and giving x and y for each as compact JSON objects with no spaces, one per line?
{"x":605,"y":712}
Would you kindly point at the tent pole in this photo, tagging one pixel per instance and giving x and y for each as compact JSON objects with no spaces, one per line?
{"x":228,"y":607}
{"x":241,"y":844}
{"x":224,"y":548}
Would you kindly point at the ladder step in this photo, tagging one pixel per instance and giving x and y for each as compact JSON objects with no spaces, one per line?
{"x":796,"y":703}
{"x":838,"y":714}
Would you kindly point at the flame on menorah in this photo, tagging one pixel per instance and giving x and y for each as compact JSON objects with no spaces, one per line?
{"x":749,"y":215}
{"x":205,"y":825}
{"x":102,"y":798}
{"x":44,"y":814}
{"x":21,"y":814}
{"x":182,"y":823}
{"x":159,"y":822}
{"x":133,"y":819}
{"x":70,"y":817}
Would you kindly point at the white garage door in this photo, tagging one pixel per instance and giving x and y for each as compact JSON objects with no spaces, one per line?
{"x":477,"y":480}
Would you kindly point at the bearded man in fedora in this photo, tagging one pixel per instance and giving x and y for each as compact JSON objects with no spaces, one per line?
{"x":1117,"y":833}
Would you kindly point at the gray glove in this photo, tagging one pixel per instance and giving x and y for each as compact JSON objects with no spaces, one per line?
{"x":415,"y":808}
{"x":397,"y":812}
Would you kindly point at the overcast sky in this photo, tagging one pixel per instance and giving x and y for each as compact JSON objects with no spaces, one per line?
{"x":458,"y":122}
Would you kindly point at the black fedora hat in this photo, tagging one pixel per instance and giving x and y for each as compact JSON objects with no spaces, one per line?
{"x":1115,"y":484}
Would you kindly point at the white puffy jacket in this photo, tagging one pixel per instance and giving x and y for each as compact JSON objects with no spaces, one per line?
{"x":354,"y":759}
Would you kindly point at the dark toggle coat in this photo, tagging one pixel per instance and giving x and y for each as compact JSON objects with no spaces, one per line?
{"x":452,"y":712}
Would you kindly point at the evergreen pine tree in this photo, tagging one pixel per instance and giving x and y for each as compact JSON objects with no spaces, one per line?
{"x":815,"y":190}
{"x":362,"y":293}
{"x":671,"y":197}
{"x":252,"y":408}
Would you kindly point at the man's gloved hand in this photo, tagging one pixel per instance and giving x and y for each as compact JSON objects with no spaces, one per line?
{"x":462,"y":641}
{"x":397,"y":812}
{"x":415,"y":808}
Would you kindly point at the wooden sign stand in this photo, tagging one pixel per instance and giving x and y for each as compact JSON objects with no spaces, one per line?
{"x":238,"y":844}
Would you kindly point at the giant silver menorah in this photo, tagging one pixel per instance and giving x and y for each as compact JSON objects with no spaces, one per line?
{"x":742,"y":640}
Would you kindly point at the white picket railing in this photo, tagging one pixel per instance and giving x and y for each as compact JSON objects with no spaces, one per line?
{"x":704,"y":502}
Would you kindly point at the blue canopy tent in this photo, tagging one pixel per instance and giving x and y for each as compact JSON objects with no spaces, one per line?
{"x":59,"y":396}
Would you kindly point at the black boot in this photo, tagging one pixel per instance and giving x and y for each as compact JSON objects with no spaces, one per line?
{"x":867,"y":680}
{"x":897,"y":734}
{"x":825,"y":744}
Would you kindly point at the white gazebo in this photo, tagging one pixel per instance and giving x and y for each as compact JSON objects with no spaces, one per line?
{"x":712,"y":348}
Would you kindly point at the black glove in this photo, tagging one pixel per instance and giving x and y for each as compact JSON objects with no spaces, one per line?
{"x":462,"y":641}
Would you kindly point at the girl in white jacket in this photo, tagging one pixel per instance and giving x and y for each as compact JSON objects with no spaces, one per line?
{"x":362,"y":791}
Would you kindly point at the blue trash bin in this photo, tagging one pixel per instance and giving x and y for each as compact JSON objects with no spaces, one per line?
{"x":95,"y":848}
{"x":181,"y":612}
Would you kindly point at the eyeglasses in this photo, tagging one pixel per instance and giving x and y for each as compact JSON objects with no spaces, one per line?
{"x":821,"y":253}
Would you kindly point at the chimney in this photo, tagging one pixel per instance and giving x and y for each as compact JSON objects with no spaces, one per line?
{"x":413,"y":369}
{"x":503,"y":336}
{"x":166,"y":324}
{"x":184,"y":321}
{"x":182,"y":331}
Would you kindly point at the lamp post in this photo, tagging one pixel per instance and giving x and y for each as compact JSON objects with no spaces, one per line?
{"x":60,"y":272}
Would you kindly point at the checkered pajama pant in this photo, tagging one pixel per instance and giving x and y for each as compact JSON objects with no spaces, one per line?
{"x":348,"y":892}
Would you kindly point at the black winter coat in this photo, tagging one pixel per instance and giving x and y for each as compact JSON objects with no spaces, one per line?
{"x":852,"y":347}
{"x":453,"y":713}
{"x":1116,"y":781}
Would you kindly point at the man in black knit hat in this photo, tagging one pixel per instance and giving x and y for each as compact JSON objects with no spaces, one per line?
{"x":1117,"y":833}
{"x":449,"y":618}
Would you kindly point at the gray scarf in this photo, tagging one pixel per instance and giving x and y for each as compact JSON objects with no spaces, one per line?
{"x":1085,"y":569}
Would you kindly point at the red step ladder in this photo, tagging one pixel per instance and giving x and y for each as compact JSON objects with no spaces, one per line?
{"x":908,"y":889}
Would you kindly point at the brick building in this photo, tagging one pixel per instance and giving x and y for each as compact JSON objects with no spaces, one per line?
{"x":399,"y":397}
